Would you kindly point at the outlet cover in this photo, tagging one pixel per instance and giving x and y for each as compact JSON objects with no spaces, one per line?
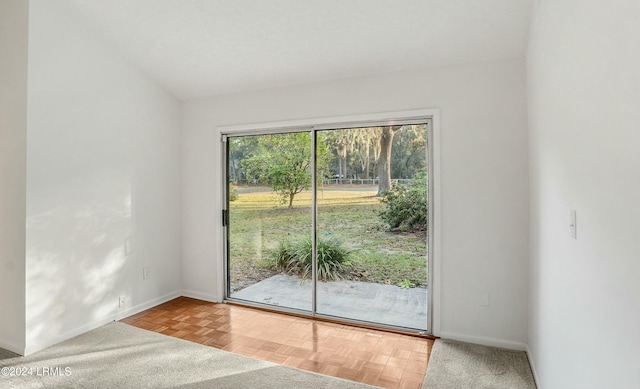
{"x":484,"y":299}
{"x":127,"y":246}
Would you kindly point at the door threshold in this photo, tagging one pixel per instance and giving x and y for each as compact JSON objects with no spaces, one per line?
{"x":330,"y":319}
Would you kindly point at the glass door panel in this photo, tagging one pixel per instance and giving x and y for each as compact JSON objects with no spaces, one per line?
{"x":372,"y":248}
{"x":269,"y":205}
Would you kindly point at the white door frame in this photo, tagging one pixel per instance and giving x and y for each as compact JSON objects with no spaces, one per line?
{"x":339,"y":122}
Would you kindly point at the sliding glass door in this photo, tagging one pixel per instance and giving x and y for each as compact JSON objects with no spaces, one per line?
{"x":331,"y":222}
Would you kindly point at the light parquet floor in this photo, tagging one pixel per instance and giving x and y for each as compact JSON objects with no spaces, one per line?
{"x":380,"y":358}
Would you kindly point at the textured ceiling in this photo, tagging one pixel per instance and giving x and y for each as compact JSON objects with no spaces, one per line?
{"x":197,"y":48}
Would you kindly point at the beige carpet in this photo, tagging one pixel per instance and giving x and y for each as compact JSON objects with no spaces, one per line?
{"x":457,"y":365}
{"x":121,"y":356}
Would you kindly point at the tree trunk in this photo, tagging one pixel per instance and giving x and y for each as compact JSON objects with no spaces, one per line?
{"x":367,"y":162}
{"x":345,"y":168}
{"x":233,"y":171}
{"x":384,"y":162}
{"x":291,"y":200}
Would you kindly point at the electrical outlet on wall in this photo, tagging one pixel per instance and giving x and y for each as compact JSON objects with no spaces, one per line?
{"x":145,"y":273}
{"x":484,"y":298}
{"x":121,"y":301}
{"x":127,"y":246}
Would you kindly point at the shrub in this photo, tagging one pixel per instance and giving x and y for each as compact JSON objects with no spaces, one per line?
{"x":406,"y":207}
{"x":282,"y":254}
{"x":297,"y":258}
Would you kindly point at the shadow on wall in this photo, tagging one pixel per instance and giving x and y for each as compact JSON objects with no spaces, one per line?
{"x":76,"y":259}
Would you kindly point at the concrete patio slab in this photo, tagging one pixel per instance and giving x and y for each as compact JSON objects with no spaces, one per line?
{"x":377,"y":303}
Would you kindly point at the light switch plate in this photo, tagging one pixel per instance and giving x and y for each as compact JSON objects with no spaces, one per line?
{"x":572,"y":224}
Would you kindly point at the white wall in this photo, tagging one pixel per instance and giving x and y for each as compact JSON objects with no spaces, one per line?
{"x":13,"y":148}
{"x":103,"y":166}
{"x":484,"y":181}
{"x":584,"y":97}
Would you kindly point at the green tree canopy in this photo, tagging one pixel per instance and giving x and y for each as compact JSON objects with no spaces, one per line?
{"x":283,"y":162}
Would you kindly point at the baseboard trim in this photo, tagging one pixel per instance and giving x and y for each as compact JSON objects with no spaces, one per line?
{"x":201,"y":296}
{"x":37,"y":346}
{"x":146,"y":305}
{"x":484,"y":341}
{"x":14,"y":348}
{"x":533,"y":369}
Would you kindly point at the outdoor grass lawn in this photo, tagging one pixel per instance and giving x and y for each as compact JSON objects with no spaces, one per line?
{"x":258,"y":223}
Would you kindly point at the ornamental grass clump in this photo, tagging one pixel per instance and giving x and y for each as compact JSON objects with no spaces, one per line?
{"x":297,"y":258}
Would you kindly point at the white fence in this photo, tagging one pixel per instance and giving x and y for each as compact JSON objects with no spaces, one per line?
{"x":344,"y":181}
{"x":362,"y":181}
